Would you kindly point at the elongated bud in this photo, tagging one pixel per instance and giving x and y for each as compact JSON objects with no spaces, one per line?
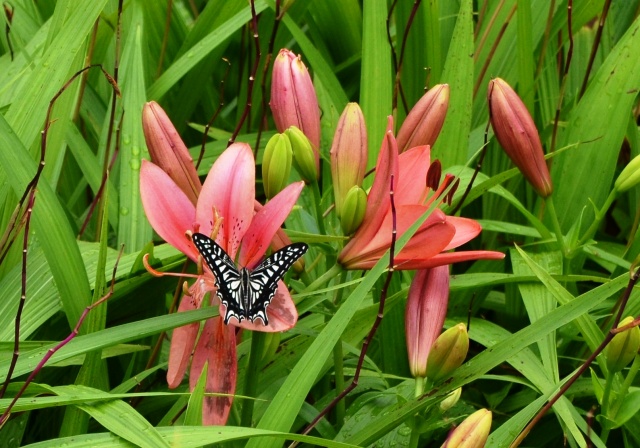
{"x":168,"y":151}
{"x":425,"y":313}
{"x":276,"y":164}
{"x":451,"y":400}
{"x":630,"y":176}
{"x":355,"y":206}
{"x":293,"y":99}
{"x":424,"y":122}
{"x":303,"y":154}
{"x":515,"y":130}
{"x":448,"y":352}
{"x":472,"y":432}
{"x":348,"y":153}
{"x":623,"y":347}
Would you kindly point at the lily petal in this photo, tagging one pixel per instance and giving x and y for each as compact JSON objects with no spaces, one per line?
{"x":466,"y":230}
{"x":450,"y":258}
{"x":266,"y":223}
{"x":412,"y":178}
{"x":230,"y":189}
{"x":170,"y":213}
{"x":217,"y":347}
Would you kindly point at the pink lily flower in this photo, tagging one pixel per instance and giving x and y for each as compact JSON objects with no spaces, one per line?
{"x":413,"y":195}
{"x":229,"y":193}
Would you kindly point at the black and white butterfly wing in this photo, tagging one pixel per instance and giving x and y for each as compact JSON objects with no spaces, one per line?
{"x":263,"y":280}
{"x":228,"y":278}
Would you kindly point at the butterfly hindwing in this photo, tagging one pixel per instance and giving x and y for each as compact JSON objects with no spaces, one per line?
{"x":228,"y":278}
{"x":245,"y":293}
{"x":263,"y":281}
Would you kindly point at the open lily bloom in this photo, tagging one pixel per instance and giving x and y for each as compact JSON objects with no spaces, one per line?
{"x":438,"y":234}
{"x":227,"y":196}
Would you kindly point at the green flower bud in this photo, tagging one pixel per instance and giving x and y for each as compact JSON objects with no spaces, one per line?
{"x":353,"y":209}
{"x":623,"y":347}
{"x":303,"y":155}
{"x":630,"y":176}
{"x":451,"y":400}
{"x":447,"y":352}
{"x":472,"y":432}
{"x":276,"y":164}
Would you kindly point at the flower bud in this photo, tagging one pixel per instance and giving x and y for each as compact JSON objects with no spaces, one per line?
{"x":168,"y":151}
{"x":293,"y":99}
{"x":355,"y":206}
{"x":276,"y":164}
{"x":303,"y":154}
{"x":630,"y":176}
{"x":424,"y":317}
{"x":448,"y":352}
{"x":623,"y":347}
{"x":451,"y":400}
{"x":348,"y":153}
{"x":424,"y":122}
{"x":472,"y":432}
{"x":515,"y":130}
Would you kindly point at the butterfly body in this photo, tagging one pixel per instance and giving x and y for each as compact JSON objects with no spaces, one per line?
{"x":244,"y":292}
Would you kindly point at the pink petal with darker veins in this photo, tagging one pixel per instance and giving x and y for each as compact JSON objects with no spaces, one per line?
{"x":282,"y":313}
{"x":266,"y":223}
{"x":411,"y":182}
{"x":168,"y":209}
{"x":452,"y":257}
{"x":230,"y":188}
{"x":466,"y":230}
{"x":182,"y":342}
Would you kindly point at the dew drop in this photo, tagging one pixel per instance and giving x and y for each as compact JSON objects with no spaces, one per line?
{"x":124,"y":211}
{"x":134,"y":164}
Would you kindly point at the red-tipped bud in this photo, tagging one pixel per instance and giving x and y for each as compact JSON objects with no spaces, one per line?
{"x":348,"y":153}
{"x":168,"y":151}
{"x":515,"y":130}
{"x":424,"y":317}
{"x":424,"y":122}
{"x":293,"y":99}
{"x":472,"y":432}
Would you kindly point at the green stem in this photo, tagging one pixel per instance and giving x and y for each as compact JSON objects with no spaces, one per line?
{"x":317,"y":199}
{"x":251,"y":376}
{"x":419,"y":386}
{"x":556,"y":226}
{"x":591,"y":231}
{"x":415,"y":438}
{"x":418,"y":391}
{"x":628,"y":381}
{"x":606,"y":396}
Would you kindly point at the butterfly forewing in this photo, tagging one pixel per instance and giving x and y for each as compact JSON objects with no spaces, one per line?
{"x":246,"y":294}
{"x":264,"y":279}
{"x":228,"y":278}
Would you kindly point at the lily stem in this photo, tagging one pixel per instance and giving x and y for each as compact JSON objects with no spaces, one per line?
{"x":251,"y":376}
{"x":338,"y":361}
{"x":600,"y":214}
{"x":556,"y":227}
{"x":317,"y":199}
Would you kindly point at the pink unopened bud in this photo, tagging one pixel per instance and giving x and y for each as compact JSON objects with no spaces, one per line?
{"x":518,"y":136}
{"x":424,"y":317}
{"x":293,"y":99}
{"x":348,"y":153}
{"x":424,"y":122}
{"x":472,"y":432}
{"x":168,"y":151}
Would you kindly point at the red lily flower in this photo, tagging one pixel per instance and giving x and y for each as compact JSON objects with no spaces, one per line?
{"x":413,"y":197}
{"x":229,"y":192}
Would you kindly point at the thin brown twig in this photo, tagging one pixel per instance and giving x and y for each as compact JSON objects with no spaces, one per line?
{"x":376,"y":323}
{"x":105,"y":162}
{"x":565,"y":77}
{"x":215,"y":114}
{"x":165,"y":37}
{"x":594,"y":48}
{"x":583,"y":368}
{"x":265,"y":71}
{"x":65,"y":341}
{"x":252,"y":75}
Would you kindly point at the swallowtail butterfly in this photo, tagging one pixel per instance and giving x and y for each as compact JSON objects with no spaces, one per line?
{"x":247,"y":293}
